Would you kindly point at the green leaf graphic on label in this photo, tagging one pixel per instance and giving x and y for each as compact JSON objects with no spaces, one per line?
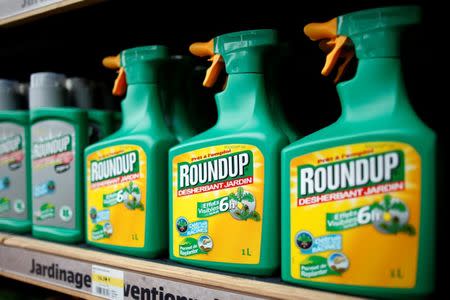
{"x":131,"y":197}
{"x":242,"y":205}
{"x":387,"y":201}
{"x":240,"y":192}
{"x":46,"y":211}
{"x":248,"y":197}
{"x":5,"y":205}
{"x":256,"y":216}
{"x":97,"y":227}
{"x":399,"y":207}
{"x":392,"y":217}
{"x":376,"y":205}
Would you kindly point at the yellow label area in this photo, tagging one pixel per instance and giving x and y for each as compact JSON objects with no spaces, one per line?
{"x":116,"y":198}
{"x":108,"y":280}
{"x":218,"y":197}
{"x":355,"y":215}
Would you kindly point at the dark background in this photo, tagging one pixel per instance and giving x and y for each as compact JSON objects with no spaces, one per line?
{"x":75,"y":42}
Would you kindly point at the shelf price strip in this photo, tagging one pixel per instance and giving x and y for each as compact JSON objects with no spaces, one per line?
{"x":102,"y":281}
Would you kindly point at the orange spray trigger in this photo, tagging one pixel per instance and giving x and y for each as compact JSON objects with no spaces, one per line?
{"x":120,"y":84}
{"x":347,"y":55}
{"x":336,"y":45}
{"x":214,"y":70}
{"x":207,"y":49}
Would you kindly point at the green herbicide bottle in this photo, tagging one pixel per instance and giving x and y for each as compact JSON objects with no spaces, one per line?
{"x":224,"y":195}
{"x":15,"y":172}
{"x":126,"y":187}
{"x":81,"y":95}
{"x":58,"y":139}
{"x":358,"y":197}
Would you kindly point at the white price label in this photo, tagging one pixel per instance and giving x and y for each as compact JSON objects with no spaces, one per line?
{"x":107,"y":283}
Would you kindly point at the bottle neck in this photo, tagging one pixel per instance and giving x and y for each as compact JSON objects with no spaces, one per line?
{"x":376,"y":92}
{"x":142,"y":106}
{"x":243,"y":100}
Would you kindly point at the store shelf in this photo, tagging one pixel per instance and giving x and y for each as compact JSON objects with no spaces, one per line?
{"x":19,"y":254}
{"x":14,"y":12}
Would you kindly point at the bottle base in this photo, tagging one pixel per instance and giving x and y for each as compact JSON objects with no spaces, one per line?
{"x":244,"y":269}
{"x":132,"y":251}
{"x":15,"y":226}
{"x":60,"y":235}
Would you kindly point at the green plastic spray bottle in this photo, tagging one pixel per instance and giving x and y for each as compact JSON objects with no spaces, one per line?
{"x":15,"y":173}
{"x":125,"y":173}
{"x":58,"y":138}
{"x":358,"y":197}
{"x":81,"y":95}
{"x":224,"y":195}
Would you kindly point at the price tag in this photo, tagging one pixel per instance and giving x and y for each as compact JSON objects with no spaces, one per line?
{"x":107,"y":283}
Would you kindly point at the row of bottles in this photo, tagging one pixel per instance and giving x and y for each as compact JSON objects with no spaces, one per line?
{"x":357,"y":197}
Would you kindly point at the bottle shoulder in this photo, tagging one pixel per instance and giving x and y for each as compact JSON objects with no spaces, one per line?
{"x":17,"y":116}
{"x":215,"y":137}
{"x":70,"y":114}
{"x":340,"y":134}
{"x":99,"y":115}
{"x":144,"y":140}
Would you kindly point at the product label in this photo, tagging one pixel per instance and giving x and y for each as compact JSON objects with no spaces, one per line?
{"x":218,"y":197}
{"x":53,"y":146}
{"x":13,"y":171}
{"x":116,"y":183}
{"x":355,"y":214}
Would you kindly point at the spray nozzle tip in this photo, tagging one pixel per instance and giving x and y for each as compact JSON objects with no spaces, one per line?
{"x":319,"y":31}
{"x":112,"y":62}
{"x":202,"y":49}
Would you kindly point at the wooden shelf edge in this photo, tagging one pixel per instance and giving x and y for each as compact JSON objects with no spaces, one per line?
{"x":207,"y":279}
{"x":46,"y":11}
{"x":3,"y":236}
